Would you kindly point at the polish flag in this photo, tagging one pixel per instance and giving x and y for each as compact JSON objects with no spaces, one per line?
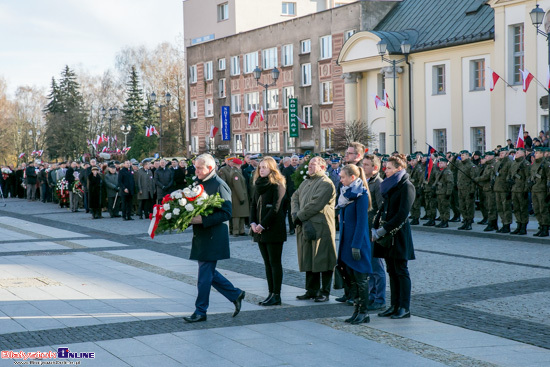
{"x":39,"y":152}
{"x":386,"y":99}
{"x":520,"y":143}
{"x":99,"y":140}
{"x":378,"y":102}
{"x":148,"y":131}
{"x":304,"y":125}
{"x":104,"y":149}
{"x":527,"y":78}
{"x":251,"y":117}
{"x":493,"y":79}
{"x":213,"y":131}
{"x":154,"y":130}
{"x":262,"y":114}
{"x":105,"y":138}
{"x":21,"y":155}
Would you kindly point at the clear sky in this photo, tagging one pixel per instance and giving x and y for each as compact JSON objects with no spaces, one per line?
{"x":39,"y":37}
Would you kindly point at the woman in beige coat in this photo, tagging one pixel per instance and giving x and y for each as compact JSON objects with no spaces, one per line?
{"x":313,"y":214}
{"x":239,"y":197}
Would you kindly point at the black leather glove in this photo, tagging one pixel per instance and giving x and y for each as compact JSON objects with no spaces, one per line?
{"x":297,"y":222}
{"x":241,"y":202}
{"x":356,"y":253}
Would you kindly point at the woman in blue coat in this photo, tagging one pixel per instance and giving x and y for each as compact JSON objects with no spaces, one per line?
{"x":354,"y":252}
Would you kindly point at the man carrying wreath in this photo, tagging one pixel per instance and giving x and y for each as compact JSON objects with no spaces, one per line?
{"x":211,"y":242}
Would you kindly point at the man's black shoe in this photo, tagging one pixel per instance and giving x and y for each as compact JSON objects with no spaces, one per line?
{"x":389,"y":312}
{"x":195,"y":318}
{"x":291,"y":232}
{"x":305,"y":296}
{"x":322,"y":298}
{"x":341,"y":299}
{"x":238,"y":303}
{"x":401,"y":313}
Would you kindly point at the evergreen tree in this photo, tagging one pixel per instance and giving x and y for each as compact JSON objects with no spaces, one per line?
{"x":133,"y":108}
{"x":143,"y":146}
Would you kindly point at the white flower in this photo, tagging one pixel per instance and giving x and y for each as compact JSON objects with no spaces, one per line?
{"x":187,"y":192}
{"x":177,"y":212}
{"x":305,"y":166}
{"x":200,"y":201}
{"x":167,"y":215}
{"x":182,"y":202}
{"x":177,"y":194}
{"x":305,"y":177}
{"x":194,"y":178}
{"x":301,"y":172}
{"x":166,"y":206}
{"x":204,"y":195}
{"x":189,"y":207}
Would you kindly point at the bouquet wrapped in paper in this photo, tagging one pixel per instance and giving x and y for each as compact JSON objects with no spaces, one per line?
{"x":62,"y":191}
{"x":77,"y":188}
{"x":178,"y":208}
{"x":6,"y":172}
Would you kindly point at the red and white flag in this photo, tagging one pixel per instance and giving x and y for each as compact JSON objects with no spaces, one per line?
{"x":213,"y":131}
{"x":378,"y":102}
{"x":251,"y":117}
{"x":21,"y":155}
{"x":104,"y":137}
{"x":148,"y":131}
{"x":520,"y":143}
{"x":154,"y":130}
{"x":40,"y":152}
{"x":104,"y":149}
{"x":304,"y":124}
{"x":99,"y":140}
{"x":386,"y":99}
{"x":33,"y":152}
{"x":493,"y":79}
{"x":527,"y":78}
{"x":261,"y":113}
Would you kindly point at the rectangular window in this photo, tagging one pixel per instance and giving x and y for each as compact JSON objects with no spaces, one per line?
{"x":210,"y":144}
{"x":307,"y":112}
{"x":326,"y":92}
{"x":269,"y":58}
{"x":223,"y":12}
{"x":251,"y":101}
{"x":193,"y":74}
{"x":221,"y":64}
{"x":237,"y":143}
{"x":195,"y":144}
{"x":274,"y":142}
{"x":221,"y":88}
{"x":193,"y":109}
{"x":544,"y":123}
{"x":288,"y":92}
{"x":477,"y":74}
{"x":305,"y":46}
{"x":287,"y":55}
{"x":208,"y":74}
{"x":250,"y":62}
{"x":235,"y":103}
{"x":518,"y":49}
{"x":272,"y":101}
{"x":381,"y":85}
{"x":440,"y":140}
{"x":438,"y":79}
{"x":306,"y":74}
{"x":253,"y":143}
{"x":208,"y":107}
{"x":382,"y":142}
{"x":235,"y":65}
{"x":326,"y":47}
{"x":348,"y":34}
{"x":290,"y":143}
{"x":289,"y":8}
{"x":514,"y":132}
{"x":478,"y":139}
{"x":326,"y":139}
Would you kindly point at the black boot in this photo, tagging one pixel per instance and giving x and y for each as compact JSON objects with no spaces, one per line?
{"x":362,"y":317}
{"x":538,"y":232}
{"x":273,"y":301}
{"x":354,"y":314}
{"x":468,"y":225}
{"x":265,"y":300}
{"x":544,"y":232}
{"x":518,"y":229}
{"x":483,"y":221}
{"x":455,"y":219}
{"x":443,"y":224}
{"x":523,"y":229}
{"x":489,"y":227}
{"x":505,"y":228}
{"x":414,"y":222}
{"x":429,"y":223}
{"x":463,"y":226}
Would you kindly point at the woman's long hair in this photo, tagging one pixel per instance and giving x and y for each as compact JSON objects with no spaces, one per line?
{"x":353,"y":170}
{"x":275,"y":177}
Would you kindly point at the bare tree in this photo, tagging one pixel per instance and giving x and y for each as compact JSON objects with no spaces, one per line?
{"x":350,"y":131}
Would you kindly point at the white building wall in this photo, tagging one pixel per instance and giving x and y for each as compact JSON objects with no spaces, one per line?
{"x":376,"y":118}
{"x":438,"y":107}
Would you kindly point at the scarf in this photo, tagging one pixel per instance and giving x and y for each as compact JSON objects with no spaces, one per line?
{"x":390,"y":182}
{"x":262,"y":185}
{"x":351,"y":193}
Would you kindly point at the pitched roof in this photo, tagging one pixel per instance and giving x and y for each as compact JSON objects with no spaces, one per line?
{"x":437,"y":23}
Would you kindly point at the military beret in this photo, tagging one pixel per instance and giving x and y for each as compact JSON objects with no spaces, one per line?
{"x":518,"y":149}
{"x":540,"y":149}
{"x":117,"y":162}
{"x":307,"y":152}
{"x":111,"y":165}
{"x":490,"y":152}
{"x":477,"y":152}
{"x":505,"y":149}
{"x":443,"y":159}
{"x":464,"y":152}
{"x":237,"y":161}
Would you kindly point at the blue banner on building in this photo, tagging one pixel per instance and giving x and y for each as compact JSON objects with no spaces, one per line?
{"x":226,"y":123}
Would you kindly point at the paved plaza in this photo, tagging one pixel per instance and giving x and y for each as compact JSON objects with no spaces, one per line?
{"x":104,"y":287}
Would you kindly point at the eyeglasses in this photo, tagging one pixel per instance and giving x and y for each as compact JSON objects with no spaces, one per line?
{"x":350,"y":153}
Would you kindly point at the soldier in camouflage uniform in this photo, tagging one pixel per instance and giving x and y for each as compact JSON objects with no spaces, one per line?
{"x":430,"y":197}
{"x":467,"y":170}
{"x":482,"y":203}
{"x":416,"y":177}
{"x":444,"y":183}
{"x":539,"y":182}
{"x":502,"y":190}
{"x":453,"y":162}
{"x":485,"y":180}
{"x":517,"y":178}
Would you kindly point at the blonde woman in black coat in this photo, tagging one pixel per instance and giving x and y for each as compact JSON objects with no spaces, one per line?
{"x":267,"y":221}
{"x":399,"y":194}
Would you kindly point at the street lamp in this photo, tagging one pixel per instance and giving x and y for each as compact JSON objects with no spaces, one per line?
{"x":113,"y":112}
{"x":274,"y":75}
{"x":405,"y":50}
{"x":126,"y":130}
{"x":537,"y":17}
{"x":167,"y":97}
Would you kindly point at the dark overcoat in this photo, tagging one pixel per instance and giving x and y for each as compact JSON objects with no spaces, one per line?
{"x":94,"y":191}
{"x":211,"y":238}
{"x":398,"y":202}
{"x":267,"y":210}
{"x":164,"y":179}
{"x":126,"y":181}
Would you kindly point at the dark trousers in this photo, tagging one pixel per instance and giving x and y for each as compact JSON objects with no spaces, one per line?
{"x":145,"y":207}
{"x":210,"y":277}
{"x":400,"y":282}
{"x":43,"y":192}
{"x":114,"y":212}
{"x":272,"y":254}
{"x":287,"y":208}
{"x":313,"y":282}
{"x":86,"y":205}
{"x":357,"y":283}
{"x":126,"y":205}
{"x":377,"y":281}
